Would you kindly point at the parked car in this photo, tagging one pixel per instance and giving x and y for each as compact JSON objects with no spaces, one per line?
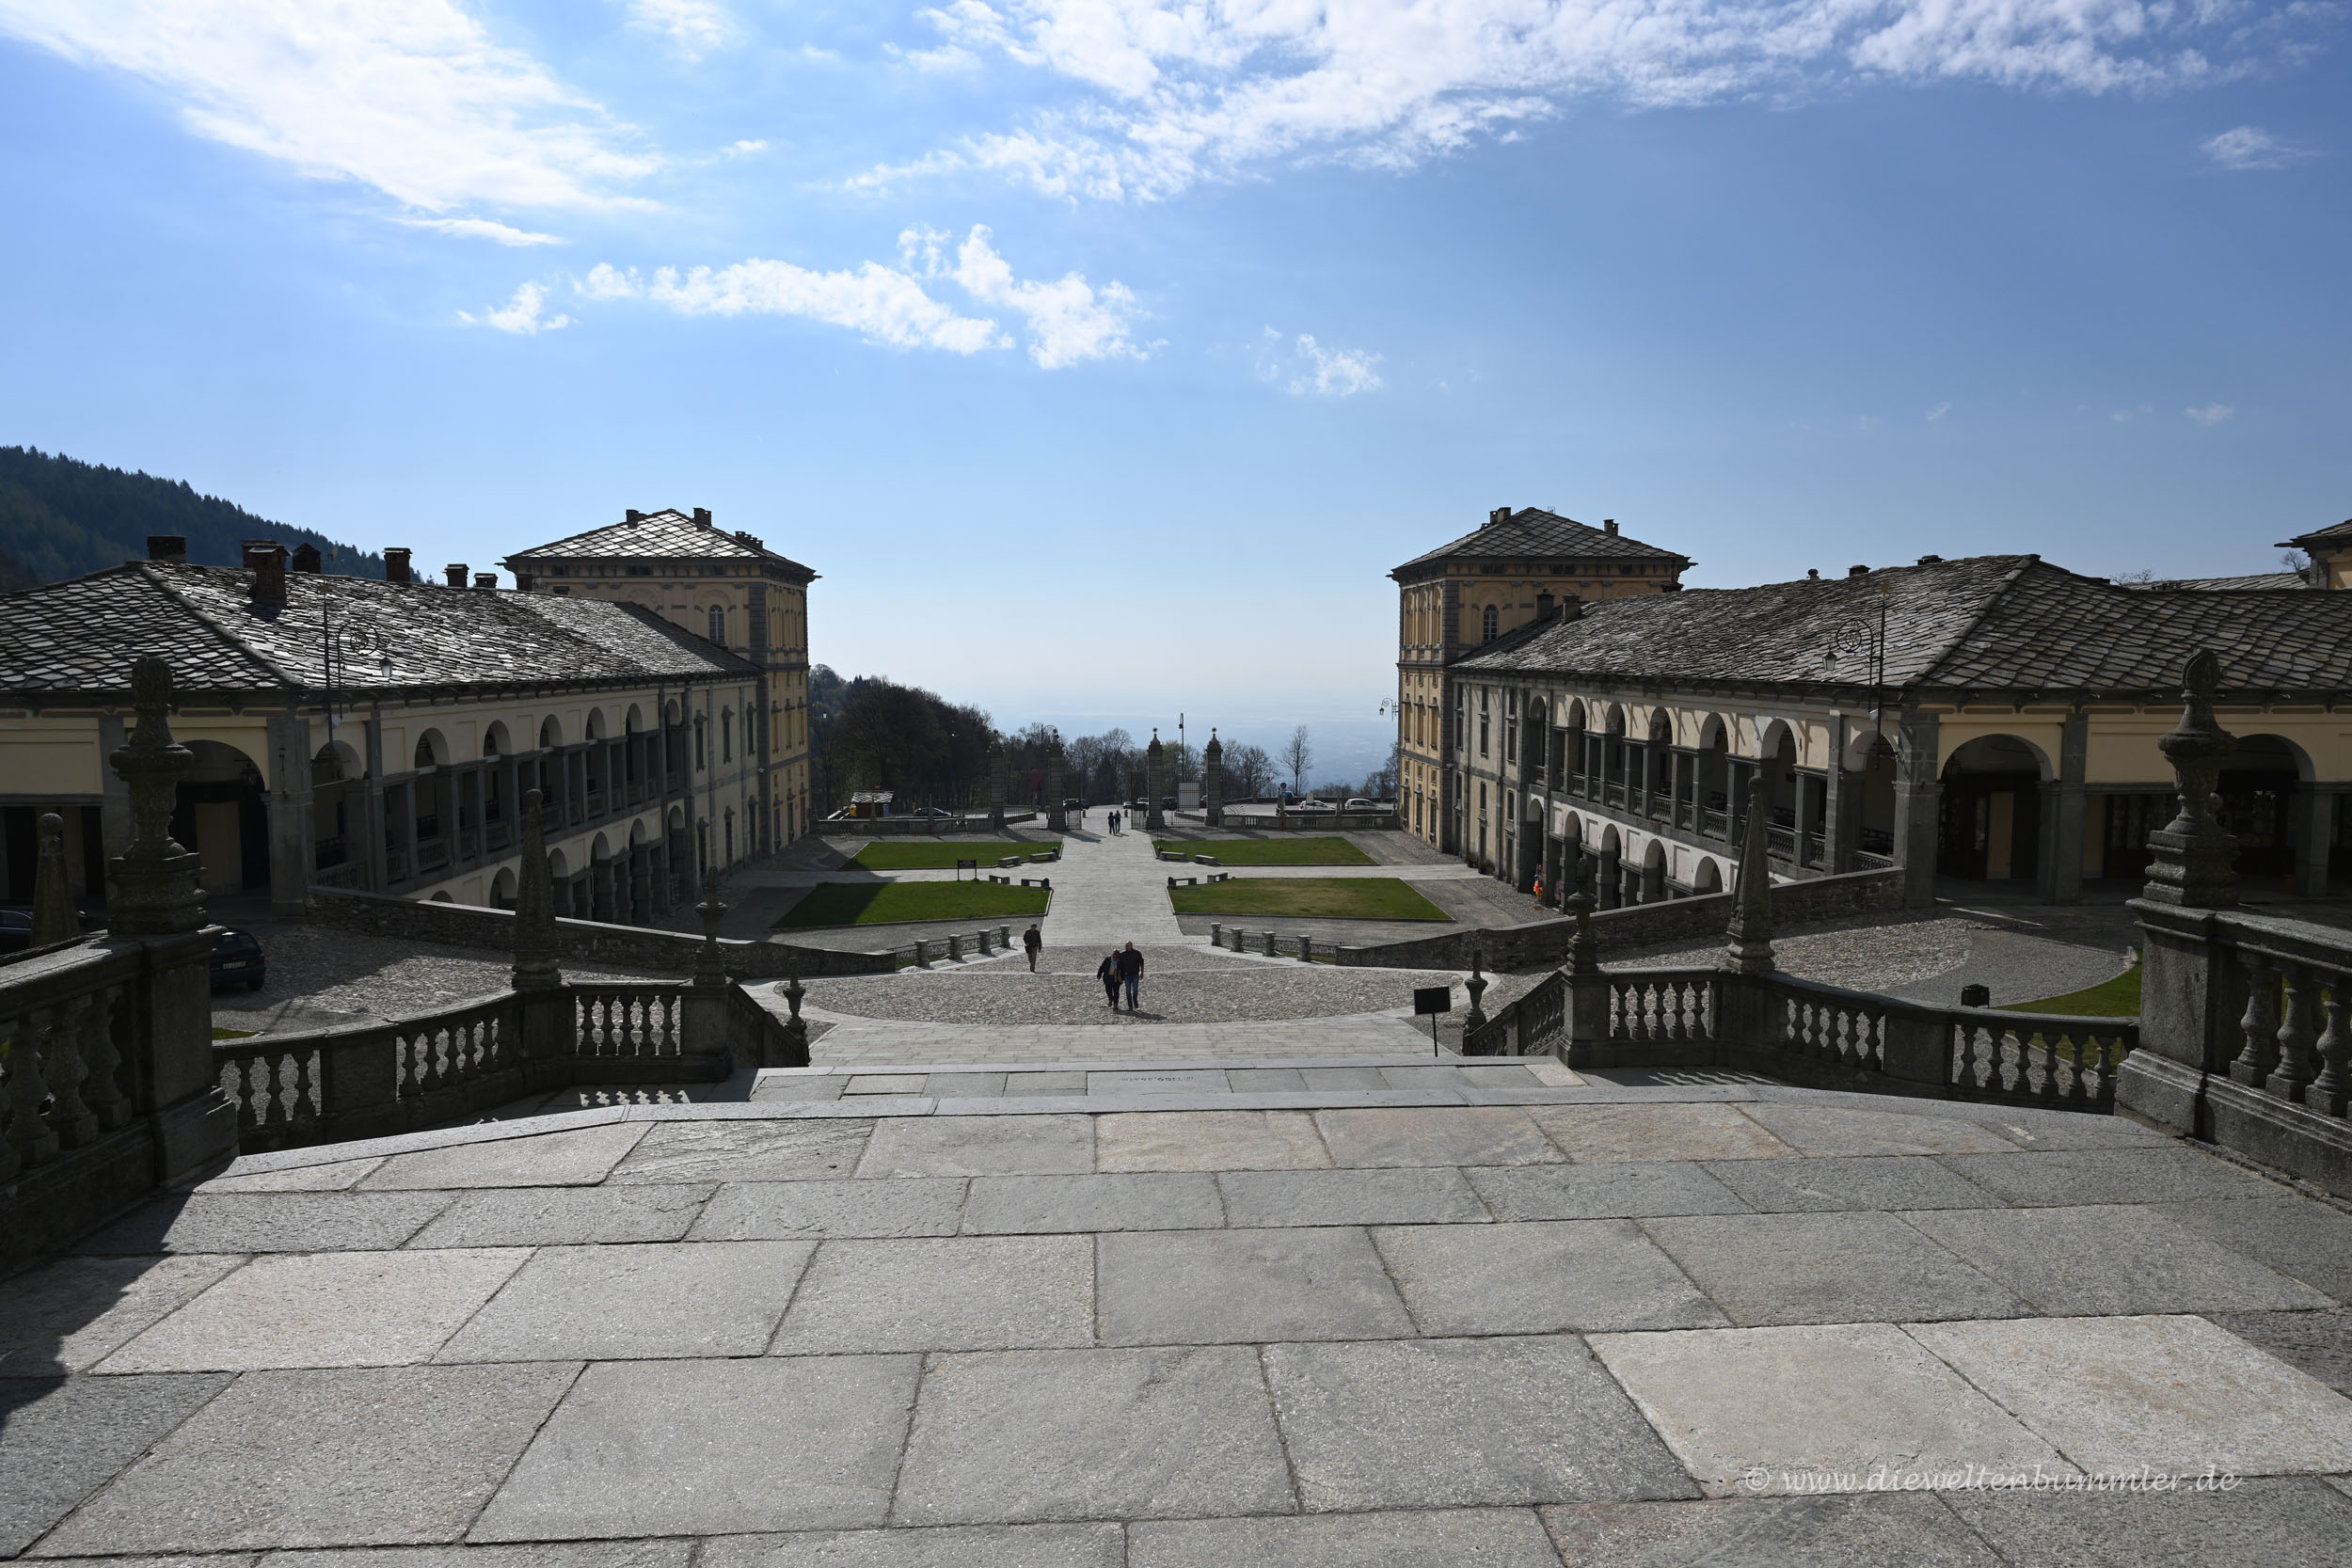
{"x":1312,"y":805}
{"x":16,"y":926}
{"x":1072,"y":803}
{"x":1357,"y":803}
{"x":237,"y":961}
{"x":1167,"y":802}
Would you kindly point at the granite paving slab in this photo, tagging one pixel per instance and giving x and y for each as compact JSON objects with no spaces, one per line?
{"x":1434,"y":1423}
{"x":71,"y":1313}
{"x":1461,"y":1135}
{"x":962,"y":1292}
{"x":1815,"y":1409}
{"x":2113,"y":1259}
{"x":1835,"y":1131}
{"x":583,"y":1156}
{"x":1324,"y":1080}
{"x":1455,"y":1537}
{"x":347,"y":1457}
{"x":697,"y":1152}
{"x":1836,"y":1182}
{"x":1020,"y":1435}
{"x":2074,"y":1130}
{"x":636,"y":1301}
{"x":268,"y":1222}
{"x":1539,"y":1279}
{"x":2318,"y":1344}
{"x":63,"y":1438}
{"x":964,"y":1086}
{"x":1033,"y":1205}
{"x":2072,"y":1178}
{"x":2174,"y":1393}
{"x":1099,"y":1546}
{"x":535,"y":1554}
{"x":1897,"y":1531}
{"x":710,"y":1448}
{"x":1654,"y":1132}
{"x":323,"y":1309}
{"x":2293,"y":1235}
{"x":1419,"y":1196}
{"x":566,"y":1217}
{"x":1209,"y":1141}
{"x":1270,"y":1080}
{"x":981,"y":1145}
{"x":1825,"y":1268}
{"x":335,"y":1178}
{"x":1603,"y":1191}
{"x":2285,"y":1523}
{"x":773,"y":1211}
{"x":1223,"y":1287}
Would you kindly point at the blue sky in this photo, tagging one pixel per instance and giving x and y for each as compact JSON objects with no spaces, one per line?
{"x":1103,"y":356}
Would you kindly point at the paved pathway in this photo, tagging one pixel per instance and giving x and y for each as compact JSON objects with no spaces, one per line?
{"x":1108,"y":888}
{"x":867,"y":1040}
{"x":1590,"y":1326}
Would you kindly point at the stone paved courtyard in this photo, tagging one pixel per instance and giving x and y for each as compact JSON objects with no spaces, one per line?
{"x":1475,"y":1320}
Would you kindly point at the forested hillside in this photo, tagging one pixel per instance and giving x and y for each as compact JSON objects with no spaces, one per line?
{"x":62,"y":518}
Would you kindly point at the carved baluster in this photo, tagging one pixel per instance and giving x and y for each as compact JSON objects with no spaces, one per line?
{"x":29,"y":1131}
{"x":276,"y":1071}
{"x":70,"y":1116}
{"x":102,"y":1064}
{"x":2296,"y":1034}
{"x":9,"y":1161}
{"x":305,"y":1108}
{"x":2326,"y":1093}
{"x":241,"y":1091}
{"x":2260,"y":1024}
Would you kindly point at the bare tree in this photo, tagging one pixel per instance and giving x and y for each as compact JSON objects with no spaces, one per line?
{"x":1297,"y":756}
{"x":1248,"y":770}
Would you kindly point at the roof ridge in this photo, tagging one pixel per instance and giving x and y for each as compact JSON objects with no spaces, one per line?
{"x":1984,"y":611}
{"x":163,"y":583}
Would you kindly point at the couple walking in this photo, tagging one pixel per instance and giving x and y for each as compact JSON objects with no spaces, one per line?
{"x":1123,"y":968}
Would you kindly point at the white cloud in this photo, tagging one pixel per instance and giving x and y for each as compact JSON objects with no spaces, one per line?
{"x":2210,"y":415}
{"x":411,"y":96}
{"x":2250,"y":146}
{"x":1938,"y":412}
{"x":1069,"y":320}
{"x":481,"y":228}
{"x":1312,"y":371}
{"x":519,"y":314}
{"x":1176,"y":92}
{"x":694,"y":27}
{"x":744,"y":149}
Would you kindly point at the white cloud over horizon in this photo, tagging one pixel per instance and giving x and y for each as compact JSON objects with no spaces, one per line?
{"x":1180,"y":92}
{"x":693,"y":27}
{"x":2211,"y":414}
{"x":2250,"y":146}
{"x":519,"y":315}
{"x":413,"y":98}
{"x":1067,"y":322}
{"x":480,"y":229}
{"x":1310,"y":370}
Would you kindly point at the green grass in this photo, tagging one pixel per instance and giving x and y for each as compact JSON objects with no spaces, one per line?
{"x":1309,"y":897}
{"x":221,"y":1033}
{"x":888,"y":903}
{"x":2116,"y":998}
{"x":1270,"y":851}
{"x":928,"y":854}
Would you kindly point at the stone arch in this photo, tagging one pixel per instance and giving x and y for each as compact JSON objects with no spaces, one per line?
{"x":2263,"y":784}
{"x":637,"y":833}
{"x":443,"y":897}
{"x":1775,"y":734}
{"x":334,"y":768}
{"x":1654,"y":872}
{"x":1990,"y":826}
{"x":432,"y":749}
{"x":599,"y":849}
{"x":550,"y":733}
{"x":596,"y":724}
{"x":495,"y":741}
{"x":502,"y":888}
{"x":634,"y":721}
{"x":220,"y":811}
{"x":1707,"y":877}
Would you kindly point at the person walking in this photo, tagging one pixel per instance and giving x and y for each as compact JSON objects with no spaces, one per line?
{"x":1033,"y":943}
{"x":1131,"y":972}
{"x":1107,"y":972}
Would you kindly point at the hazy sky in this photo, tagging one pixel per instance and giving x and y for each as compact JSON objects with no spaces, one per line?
{"x":1102,"y":355}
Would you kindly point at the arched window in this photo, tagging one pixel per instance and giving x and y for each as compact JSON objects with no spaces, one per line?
{"x":1489,"y":622}
{"x":719,"y":624}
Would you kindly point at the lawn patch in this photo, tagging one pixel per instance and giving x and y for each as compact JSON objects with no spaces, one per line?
{"x":1309,"y":899}
{"x":1270,"y":851}
{"x":928,"y":854}
{"x":898,"y":903}
{"x":2116,"y":998}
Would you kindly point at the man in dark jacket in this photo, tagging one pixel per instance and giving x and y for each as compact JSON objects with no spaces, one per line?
{"x":1034,"y":943}
{"x":1107,"y":972}
{"x":1131,"y":971}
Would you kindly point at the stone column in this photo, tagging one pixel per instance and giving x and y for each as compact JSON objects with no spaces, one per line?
{"x":54,"y":918}
{"x":658,"y":853}
{"x":1841,"y":833}
{"x":1154,"y":772}
{"x":1213,"y":781}
{"x":1057,"y":820}
{"x":600,"y":890}
{"x":2060,"y":879}
{"x":640,"y":884}
{"x":369,"y":814}
{"x":1610,"y":880}
{"x":291,"y":851}
{"x":2316,"y":821}
{"x":996,"y":787}
{"x":1918,"y":794}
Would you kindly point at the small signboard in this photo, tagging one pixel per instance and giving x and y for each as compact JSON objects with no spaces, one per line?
{"x":962,"y":867}
{"x":1432,"y":1000}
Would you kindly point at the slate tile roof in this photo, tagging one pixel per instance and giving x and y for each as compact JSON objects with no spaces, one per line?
{"x":2005,"y":624}
{"x":2273,"y":580}
{"x":2334,"y":533}
{"x":1534,"y":531}
{"x":76,"y":640}
{"x":667,"y":536}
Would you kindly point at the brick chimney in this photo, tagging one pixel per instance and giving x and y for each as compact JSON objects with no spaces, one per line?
{"x":1609,"y":527}
{"x":632,"y":516}
{"x":702,"y":515}
{"x":169,"y":549}
{"x":1857,"y":571}
{"x":455,"y":571}
{"x":396,"y":565}
{"x":1499,"y":514}
{"x":486,"y":580}
{"x":266,"y":560}
{"x":306,"y":558}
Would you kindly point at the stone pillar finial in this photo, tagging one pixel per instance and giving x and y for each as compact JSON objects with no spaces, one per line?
{"x":535,"y":944}
{"x":1750,"y":949}
{"x":1476,"y":985}
{"x":54,"y":919}
{"x":996,"y":785}
{"x":2192,"y":858}
{"x":796,"y":1028}
{"x":1057,"y":820}
{"x":155,"y":878}
{"x":1213,"y":781}
{"x":1584,"y":952}
{"x":709,"y":961}
{"x":1154,"y":774}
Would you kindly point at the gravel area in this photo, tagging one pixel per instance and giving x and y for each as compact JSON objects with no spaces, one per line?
{"x":320,"y":977}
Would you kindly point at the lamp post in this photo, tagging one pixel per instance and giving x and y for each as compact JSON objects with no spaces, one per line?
{"x":1864,"y":635}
